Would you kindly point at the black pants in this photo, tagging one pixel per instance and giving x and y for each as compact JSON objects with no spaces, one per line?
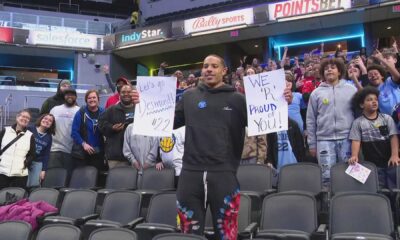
{"x":95,"y":160}
{"x":60,"y":159}
{"x":12,"y":181}
{"x":219,"y":190}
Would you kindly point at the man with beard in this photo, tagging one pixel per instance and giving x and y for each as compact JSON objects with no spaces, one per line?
{"x":214,"y":116}
{"x":57,"y":99}
{"x":60,"y":152}
{"x":113,"y":122}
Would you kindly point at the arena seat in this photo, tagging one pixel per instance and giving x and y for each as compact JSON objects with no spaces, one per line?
{"x":161,"y":216}
{"x":15,"y":230}
{"x":356,"y":215}
{"x":120,"y":209}
{"x":59,"y":232}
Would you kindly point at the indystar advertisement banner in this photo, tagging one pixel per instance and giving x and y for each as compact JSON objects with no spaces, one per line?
{"x":64,"y":39}
{"x":220,"y":20}
{"x":302,"y":7}
{"x":140,"y":35}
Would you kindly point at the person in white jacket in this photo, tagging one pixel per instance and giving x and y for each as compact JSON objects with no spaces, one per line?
{"x":329,"y":117}
{"x":18,"y":150}
{"x":171,"y":151}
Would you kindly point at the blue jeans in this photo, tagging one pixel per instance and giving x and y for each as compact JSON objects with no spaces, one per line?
{"x":34,"y":174}
{"x":331,"y":152}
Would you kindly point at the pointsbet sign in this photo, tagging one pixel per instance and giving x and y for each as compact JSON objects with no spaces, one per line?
{"x":302,"y":7}
{"x":141,"y":35}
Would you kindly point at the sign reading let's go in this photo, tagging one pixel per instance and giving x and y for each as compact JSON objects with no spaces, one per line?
{"x":140,"y":35}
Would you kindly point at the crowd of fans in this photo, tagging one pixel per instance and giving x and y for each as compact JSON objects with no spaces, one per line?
{"x":330,"y":117}
{"x":339,"y":109}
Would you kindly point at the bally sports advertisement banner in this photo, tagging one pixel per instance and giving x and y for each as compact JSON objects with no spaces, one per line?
{"x":302,"y":7}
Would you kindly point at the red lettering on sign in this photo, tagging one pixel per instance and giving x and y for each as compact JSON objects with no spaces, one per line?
{"x":299,"y":8}
{"x":286,"y":9}
{"x":6,"y":35}
{"x":315,"y":5}
{"x":215,"y":22}
{"x":307,"y":4}
{"x":278,"y":9}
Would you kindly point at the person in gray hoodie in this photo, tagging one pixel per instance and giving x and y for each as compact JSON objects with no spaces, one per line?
{"x":141,"y":151}
{"x":329,"y":117}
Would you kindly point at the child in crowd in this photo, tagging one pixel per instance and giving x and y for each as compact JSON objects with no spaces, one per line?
{"x":171,"y":152}
{"x":285,"y":147}
{"x":297,"y":103}
{"x":329,"y":117}
{"x":376,"y":134}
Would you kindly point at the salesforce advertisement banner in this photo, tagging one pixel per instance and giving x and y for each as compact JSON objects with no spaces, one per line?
{"x":64,"y":39}
{"x":140,"y":35}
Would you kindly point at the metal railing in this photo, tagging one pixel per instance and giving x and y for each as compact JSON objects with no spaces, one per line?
{"x":26,"y":101}
{"x":2,"y":120}
{"x":29,"y":98}
{"x":36,"y":22}
{"x":6,"y":108}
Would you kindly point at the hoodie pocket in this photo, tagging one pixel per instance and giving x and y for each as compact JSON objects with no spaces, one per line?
{"x":208,"y":143}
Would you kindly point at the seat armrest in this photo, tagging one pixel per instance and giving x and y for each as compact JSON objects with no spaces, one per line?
{"x":104,"y":191}
{"x":321,"y":228}
{"x":395,"y":190}
{"x":95,"y":188}
{"x":269,"y":191}
{"x":147,"y":191}
{"x":133,"y":223}
{"x":65,"y":190}
{"x":168,"y":189}
{"x":250,"y":230}
{"x":40,"y":219}
{"x":82,"y":220}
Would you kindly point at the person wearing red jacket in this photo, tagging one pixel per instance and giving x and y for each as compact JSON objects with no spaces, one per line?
{"x":114,"y":99}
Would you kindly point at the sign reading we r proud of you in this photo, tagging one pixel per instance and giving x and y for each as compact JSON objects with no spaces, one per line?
{"x":267,"y":109}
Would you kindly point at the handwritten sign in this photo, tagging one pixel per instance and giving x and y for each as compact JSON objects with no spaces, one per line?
{"x":358,"y":172}
{"x":267,"y":109}
{"x":154,"y":115}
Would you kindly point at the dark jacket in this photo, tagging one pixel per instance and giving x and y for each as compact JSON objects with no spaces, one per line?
{"x":114,"y":140}
{"x":296,"y":141}
{"x":53,"y":101}
{"x":215,"y":122}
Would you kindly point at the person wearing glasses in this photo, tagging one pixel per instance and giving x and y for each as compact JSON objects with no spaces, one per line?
{"x":85,"y":132}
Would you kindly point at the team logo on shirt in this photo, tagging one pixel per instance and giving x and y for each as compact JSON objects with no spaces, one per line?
{"x":325,"y":101}
{"x":202,"y":104}
{"x":167,"y":143}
